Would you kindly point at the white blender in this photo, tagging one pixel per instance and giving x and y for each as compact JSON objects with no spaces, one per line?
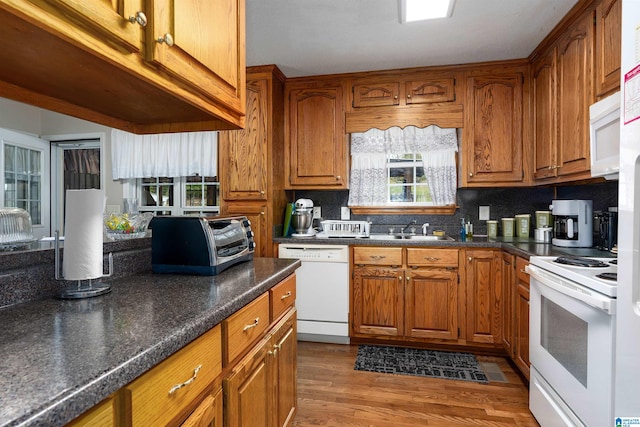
{"x":302,"y":218}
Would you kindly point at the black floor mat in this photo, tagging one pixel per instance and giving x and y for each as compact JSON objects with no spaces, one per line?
{"x":425,"y":363}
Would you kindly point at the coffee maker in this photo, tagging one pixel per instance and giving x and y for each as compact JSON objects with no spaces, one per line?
{"x":605,"y":229}
{"x":572,"y":223}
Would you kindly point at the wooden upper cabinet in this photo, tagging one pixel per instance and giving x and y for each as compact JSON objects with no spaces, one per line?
{"x":145,"y":66}
{"x":543,"y":82}
{"x":376,"y":94}
{"x":120,"y":21}
{"x":202,"y":44}
{"x":243,"y":162}
{"x":575,"y":94}
{"x":608,"y":46}
{"x":377,"y":91}
{"x":315,"y":137}
{"x":492,"y":146}
{"x":429,"y":91}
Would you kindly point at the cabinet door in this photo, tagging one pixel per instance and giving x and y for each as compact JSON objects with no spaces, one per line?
{"x":575,"y":59}
{"x":201,"y":43}
{"x":521,"y":357}
{"x":108,"y":18}
{"x":430,"y":91}
{"x":431,"y":307}
{"x":316,"y":140}
{"x":608,"y":38}
{"x":258,"y":214}
{"x":378,"y":298}
{"x":208,"y":413}
{"x":285,"y":371}
{"x":493,"y":129}
{"x":376,"y":94}
{"x":247,"y":390}
{"x":484,"y":296}
{"x":543,"y":81}
{"x":243,"y":153}
{"x":508,"y":283}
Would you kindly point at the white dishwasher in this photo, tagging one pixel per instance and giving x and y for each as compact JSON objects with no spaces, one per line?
{"x":322,"y":291}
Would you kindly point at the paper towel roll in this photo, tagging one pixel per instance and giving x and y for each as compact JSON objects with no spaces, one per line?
{"x":83,"y":228}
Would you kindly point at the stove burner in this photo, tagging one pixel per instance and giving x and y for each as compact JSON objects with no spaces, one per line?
{"x":580,"y":262}
{"x":608,"y":276}
{"x":614,"y":262}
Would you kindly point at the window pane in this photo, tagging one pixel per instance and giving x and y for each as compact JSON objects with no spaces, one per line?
{"x":9,"y":158}
{"x":35,"y":163}
{"x":22,"y":160}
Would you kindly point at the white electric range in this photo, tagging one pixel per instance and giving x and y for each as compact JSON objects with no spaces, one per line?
{"x":571,"y":342}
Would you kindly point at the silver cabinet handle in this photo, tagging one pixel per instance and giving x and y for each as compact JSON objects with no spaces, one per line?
{"x":167,"y":38}
{"x":377,"y":257}
{"x":187,"y":382}
{"x":432,"y":258}
{"x":140,"y":18}
{"x":252,"y":325}
{"x":285,"y":296}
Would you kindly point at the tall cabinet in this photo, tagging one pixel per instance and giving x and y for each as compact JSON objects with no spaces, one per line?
{"x":251,"y":160}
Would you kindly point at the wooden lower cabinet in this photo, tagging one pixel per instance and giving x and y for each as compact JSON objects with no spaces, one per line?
{"x":260,"y":390}
{"x":521,"y":345}
{"x":484,"y":298}
{"x":208,"y":413}
{"x":101,"y":415}
{"x":417,"y":301}
{"x":506,"y":276}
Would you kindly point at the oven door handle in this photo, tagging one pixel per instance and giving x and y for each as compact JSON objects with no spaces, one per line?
{"x":570,"y":289}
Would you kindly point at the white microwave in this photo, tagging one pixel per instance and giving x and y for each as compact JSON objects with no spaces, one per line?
{"x":604,"y":130}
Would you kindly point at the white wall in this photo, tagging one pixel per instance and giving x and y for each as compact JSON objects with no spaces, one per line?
{"x":36,"y":121}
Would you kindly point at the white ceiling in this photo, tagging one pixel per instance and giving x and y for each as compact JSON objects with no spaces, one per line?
{"x":313,"y":37}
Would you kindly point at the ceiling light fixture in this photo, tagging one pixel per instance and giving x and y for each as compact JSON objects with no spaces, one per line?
{"x":420,"y":10}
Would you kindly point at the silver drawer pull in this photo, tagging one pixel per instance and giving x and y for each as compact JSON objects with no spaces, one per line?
{"x":377,"y":257}
{"x":253,"y":325}
{"x":187,"y":382}
{"x":285,"y":296}
{"x":432,"y":258}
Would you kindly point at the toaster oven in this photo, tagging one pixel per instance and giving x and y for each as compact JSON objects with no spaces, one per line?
{"x":199,"y":245}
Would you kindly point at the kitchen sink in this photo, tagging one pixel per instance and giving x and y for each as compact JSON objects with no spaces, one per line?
{"x":429,"y":237}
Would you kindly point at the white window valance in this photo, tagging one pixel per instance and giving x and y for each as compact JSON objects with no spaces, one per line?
{"x":411,"y":139}
{"x":370,"y":150}
{"x":166,"y":154}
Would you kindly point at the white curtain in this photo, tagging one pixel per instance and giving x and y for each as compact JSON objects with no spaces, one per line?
{"x":369,"y":151}
{"x":167,"y":154}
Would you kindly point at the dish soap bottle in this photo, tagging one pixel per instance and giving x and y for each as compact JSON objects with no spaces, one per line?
{"x":463,"y":231}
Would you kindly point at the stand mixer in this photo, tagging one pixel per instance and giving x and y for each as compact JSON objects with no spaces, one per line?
{"x":302,"y":218}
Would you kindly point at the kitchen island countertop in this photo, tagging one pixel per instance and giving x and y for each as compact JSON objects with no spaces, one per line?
{"x":59,"y":358}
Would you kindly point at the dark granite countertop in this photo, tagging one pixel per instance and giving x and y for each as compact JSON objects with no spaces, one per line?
{"x":60,"y":358}
{"x":516,"y":245}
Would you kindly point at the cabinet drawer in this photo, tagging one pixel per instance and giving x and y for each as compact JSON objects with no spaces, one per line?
{"x":377,"y":256}
{"x":522,"y":275}
{"x":423,"y":257}
{"x":171,"y":387}
{"x":244,"y":327}
{"x":282,"y":296}
{"x":100,"y":415}
{"x":376,"y":94}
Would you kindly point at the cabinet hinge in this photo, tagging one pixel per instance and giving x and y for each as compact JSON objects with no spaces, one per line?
{"x":458,"y":332}
{"x":458,"y":279}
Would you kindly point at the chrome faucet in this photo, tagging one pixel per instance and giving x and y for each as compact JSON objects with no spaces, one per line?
{"x":413,"y":222}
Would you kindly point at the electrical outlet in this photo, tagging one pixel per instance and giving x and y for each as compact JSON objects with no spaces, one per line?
{"x":345,"y":213}
{"x":317,"y":212}
{"x":484,"y":213}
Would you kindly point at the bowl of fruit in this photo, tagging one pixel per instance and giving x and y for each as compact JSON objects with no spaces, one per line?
{"x":127,"y":226}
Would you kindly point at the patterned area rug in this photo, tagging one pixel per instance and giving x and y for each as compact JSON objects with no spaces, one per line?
{"x":425,"y":363}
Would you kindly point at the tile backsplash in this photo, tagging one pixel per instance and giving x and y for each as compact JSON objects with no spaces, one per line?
{"x":503,"y":202}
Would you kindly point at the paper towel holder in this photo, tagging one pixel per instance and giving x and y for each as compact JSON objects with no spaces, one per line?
{"x":86,"y":290}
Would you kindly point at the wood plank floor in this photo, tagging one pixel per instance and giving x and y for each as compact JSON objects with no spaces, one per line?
{"x":332,"y":393}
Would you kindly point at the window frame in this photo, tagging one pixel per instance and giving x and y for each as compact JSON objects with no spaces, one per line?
{"x":133,"y":188}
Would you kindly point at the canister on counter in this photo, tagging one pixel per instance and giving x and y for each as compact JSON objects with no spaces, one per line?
{"x":543,"y":219}
{"x":492,"y":228}
{"x":522,"y":225}
{"x":508,"y":225}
